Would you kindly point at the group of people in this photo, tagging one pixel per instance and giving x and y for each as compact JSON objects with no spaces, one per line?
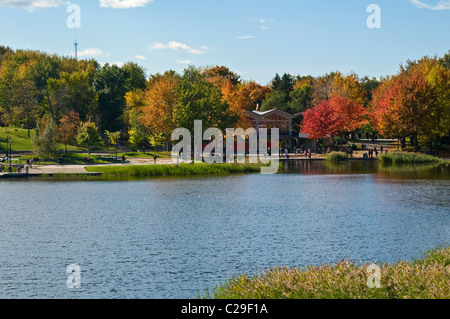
{"x":370,"y":153}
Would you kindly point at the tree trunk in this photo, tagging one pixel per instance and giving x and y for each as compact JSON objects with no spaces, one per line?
{"x":403,"y":143}
{"x":416,"y":143}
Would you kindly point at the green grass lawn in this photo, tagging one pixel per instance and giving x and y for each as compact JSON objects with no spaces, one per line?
{"x":73,"y":158}
{"x":22,"y":143}
{"x":149,"y":154}
{"x":19,"y":137}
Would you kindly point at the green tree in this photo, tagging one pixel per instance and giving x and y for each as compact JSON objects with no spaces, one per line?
{"x":134,"y":77}
{"x":45,"y":139}
{"x":109,"y":84}
{"x":26,"y":103}
{"x":198,"y":99}
{"x":281,"y":93}
{"x":369,"y":85}
{"x":301,"y":99}
{"x":88,"y":135}
{"x":445,"y":60}
{"x":156,"y":140}
{"x":114,"y":139}
{"x":138,"y":134}
{"x":73,"y":91}
{"x":276,"y":100}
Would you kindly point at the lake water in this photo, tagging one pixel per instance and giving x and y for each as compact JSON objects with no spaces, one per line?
{"x":174,"y":238}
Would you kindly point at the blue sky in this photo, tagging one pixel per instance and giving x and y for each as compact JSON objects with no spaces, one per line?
{"x":254,"y":38}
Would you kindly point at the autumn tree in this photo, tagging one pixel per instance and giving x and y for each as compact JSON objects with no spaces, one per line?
{"x":160,"y":100}
{"x":254,"y":94}
{"x":68,"y":126}
{"x":349,"y":114}
{"x":236,"y":101}
{"x":220,"y":74}
{"x":333,"y":117}
{"x":320,"y":121}
{"x":414,"y":103}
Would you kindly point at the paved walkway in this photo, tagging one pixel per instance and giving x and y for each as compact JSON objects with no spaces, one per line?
{"x":80,"y":169}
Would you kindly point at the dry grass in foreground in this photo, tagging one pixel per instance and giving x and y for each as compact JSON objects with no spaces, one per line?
{"x":425,"y":278}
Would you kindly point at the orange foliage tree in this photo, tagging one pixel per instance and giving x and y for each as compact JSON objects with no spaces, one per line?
{"x":68,"y":126}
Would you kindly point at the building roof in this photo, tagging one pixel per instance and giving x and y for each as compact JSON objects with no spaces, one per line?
{"x":261,"y":115}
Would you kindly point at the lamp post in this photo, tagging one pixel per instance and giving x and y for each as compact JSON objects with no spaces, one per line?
{"x":10,"y":152}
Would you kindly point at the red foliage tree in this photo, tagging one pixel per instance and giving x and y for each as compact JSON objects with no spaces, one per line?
{"x":333,"y":117}
{"x":320,"y":121}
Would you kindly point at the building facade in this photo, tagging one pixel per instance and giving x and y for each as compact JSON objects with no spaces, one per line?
{"x":290,"y":136}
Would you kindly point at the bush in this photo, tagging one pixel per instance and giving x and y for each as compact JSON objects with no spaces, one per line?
{"x":336,"y":156}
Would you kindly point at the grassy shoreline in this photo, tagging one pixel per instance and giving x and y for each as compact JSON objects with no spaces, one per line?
{"x":174,"y":170}
{"x":411,"y":158}
{"x":426,"y":277}
{"x":336,"y":156}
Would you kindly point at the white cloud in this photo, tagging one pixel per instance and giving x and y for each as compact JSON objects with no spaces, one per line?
{"x":185,"y":61}
{"x":124,"y":4}
{"x":157,"y":46}
{"x":36,"y":4}
{"x":177,"y":46}
{"x":245,"y":37}
{"x":264,"y":27}
{"x":195,"y":51}
{"x":93,"y":52}
{"x":30,"y":4}
{"x":119,"y":64}
{"x":140,"y":57}
{"x":441,"y":5}
{"x":173,"y":45}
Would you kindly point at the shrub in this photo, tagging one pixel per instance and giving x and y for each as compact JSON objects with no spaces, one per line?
{"x":336,"y":156}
